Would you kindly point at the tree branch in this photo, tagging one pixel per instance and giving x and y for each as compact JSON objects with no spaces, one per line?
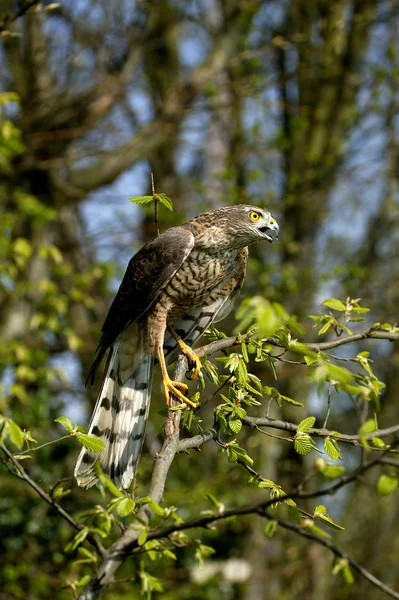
{"x":339,"y":553}
{"x":7,"y":19}
{"x":323,"y":433}
{"x":154,"y":134}
{"x":230,"y":342}
{"x":22,"y":474}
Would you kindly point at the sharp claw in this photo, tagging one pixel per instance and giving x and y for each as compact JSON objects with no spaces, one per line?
{"x":172,"y":387}
{"x":179,"y":384}
{"x":193,"y":360}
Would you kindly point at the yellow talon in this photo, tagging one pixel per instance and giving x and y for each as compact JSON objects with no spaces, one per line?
{"x":172,"y":387}
{"x":192,"y":358}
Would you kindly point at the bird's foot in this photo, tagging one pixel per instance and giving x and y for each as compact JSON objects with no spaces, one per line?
{"x":174,"y":388}
{"x":193,"y":360}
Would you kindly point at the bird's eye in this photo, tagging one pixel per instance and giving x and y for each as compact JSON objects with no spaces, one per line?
{"x":254,"y":216}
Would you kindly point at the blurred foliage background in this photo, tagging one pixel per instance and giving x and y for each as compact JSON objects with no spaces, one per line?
{"x":287,"y":104}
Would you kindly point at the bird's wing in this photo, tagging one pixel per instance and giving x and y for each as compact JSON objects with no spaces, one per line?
{"x":147,"y":274}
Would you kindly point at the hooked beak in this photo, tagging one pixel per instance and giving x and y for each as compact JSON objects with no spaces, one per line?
{"x":271,"y":231}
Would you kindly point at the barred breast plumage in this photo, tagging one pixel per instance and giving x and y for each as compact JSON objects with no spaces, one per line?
{"x":174,"y":287}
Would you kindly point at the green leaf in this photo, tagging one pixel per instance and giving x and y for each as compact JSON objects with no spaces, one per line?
{"x":89,"y":557}
{"x":333,"y":471}
{"x":203,"y":552}
{"x":348,"y":575}
{"x":368,"y":427}
{"x":106,"y":482}
{"x":303,"y":444}
{"x":378,"y":442}
{"x":91,"y":442}
{"x":386,"y":485}
{"x":320,"y":512}
{"x":241,"y":372}
{"x":15,"y":434}
{"x":142,"y":199}
{"x":266,"y":483}
{"x":65,"y":422}
{"x":338,"y":373}
{"x":59,"y":492}
{"x":156,"y":508}
{"x":326,"y":326}
{"x":142,"y":537}
{"x":309,"y":524}
{"x":235,"y":425}
{"x":306,"y":424}
{"x":270,"y":528}
{"x":163,"y":199}
{"x":332,"y":448}
{"x":125,"y":506}
{"x":335,"y":304}
{"x":290,"y":400}
{"x":76,"y":540}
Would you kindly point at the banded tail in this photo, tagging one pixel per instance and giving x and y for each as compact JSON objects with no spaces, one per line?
{"x":121,"y":412}
{"x":119,"y":419}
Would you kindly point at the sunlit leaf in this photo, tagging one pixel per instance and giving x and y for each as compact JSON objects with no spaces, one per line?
{"x":386,"y":485}
{"x":91,"y":442}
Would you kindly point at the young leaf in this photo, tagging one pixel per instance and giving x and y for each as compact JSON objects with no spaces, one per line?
{"x":334,"y":304}
{"x":106,"y":482}
{"x":386,"y":485}
{"x":332,"y":448}
{"x":91,"y":442}
{"x":142,"y":537}
{"x":125,"y":506}
{"x":303,"y":444}
{"x":320,"y":512}
{"x":290,"y":400}
{"x":76,"y":540}
{"x":142,"y":199}
{"x":65,"y":422}
{"x":306,"y":424}
{"x":333,"y":471}
{"x":15,"y":434}
{"x":235,"y":425}
{"x":163,"y":199}
{"x":270,"y":528}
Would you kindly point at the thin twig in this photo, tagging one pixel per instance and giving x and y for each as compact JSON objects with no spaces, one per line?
{"x":64,"y":437}
{"x":327,"y":544}
{"x":22,"y":474}
{"x":328,"y":406}
{"x":355,"y":439}
{"x":155,"y":204}
{"x":24,"y":7}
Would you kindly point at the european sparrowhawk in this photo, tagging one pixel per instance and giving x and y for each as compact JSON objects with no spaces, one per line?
{"x":173,"y":289}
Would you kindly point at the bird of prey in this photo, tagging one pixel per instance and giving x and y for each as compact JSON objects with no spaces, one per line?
{"x":173,"y":289}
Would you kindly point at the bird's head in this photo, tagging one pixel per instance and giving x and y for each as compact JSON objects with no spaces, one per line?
{"x":234,"y":227}
{"x":250,"y":224}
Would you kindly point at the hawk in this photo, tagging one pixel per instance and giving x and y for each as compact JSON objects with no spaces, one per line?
{"x":173,"y":289}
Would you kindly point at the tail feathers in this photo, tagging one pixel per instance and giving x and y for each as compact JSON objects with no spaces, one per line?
{"x":119,"y":419}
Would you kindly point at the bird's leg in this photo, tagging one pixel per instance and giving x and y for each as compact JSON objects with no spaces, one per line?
{"x":192,"y":358}
{"x":172,"y":387}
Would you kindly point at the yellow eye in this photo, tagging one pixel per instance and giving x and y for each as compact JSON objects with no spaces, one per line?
{"x":254,"y":216}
